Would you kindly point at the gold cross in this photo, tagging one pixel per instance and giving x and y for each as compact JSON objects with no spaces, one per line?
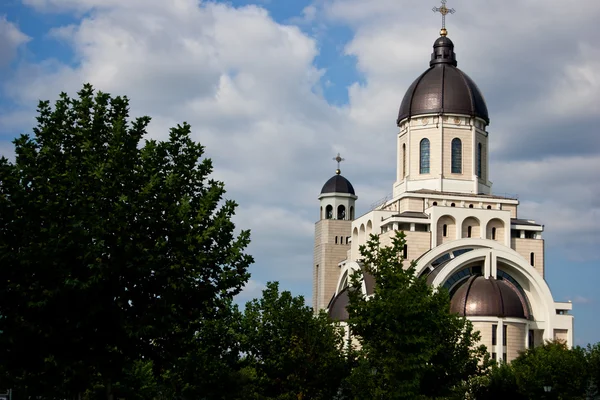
{"x":444,"y":11}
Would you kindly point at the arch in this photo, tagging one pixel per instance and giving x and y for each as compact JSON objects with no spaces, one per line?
{"x":403,"y":160}
{"x":446,"y":229}
{"x":489,"y":207}
{"x":495,"y":230}
{"x":341,"y":212}
{"x":355,"y":235}
{"x":435,"y":203}
{"x":470,"y":205}
{"x":424,"y":156}
{"x":329,"y":211}
{"x":351,"y":212}
{"x":361,"y":234}
{"x":453,"y":205}
{"x":456,"y":158}
{"x":479,"y":157}
{"x":321,"y":213}
{"x":369,"y":229}
{"x":507,"y":260}
{"x":474,"y":224}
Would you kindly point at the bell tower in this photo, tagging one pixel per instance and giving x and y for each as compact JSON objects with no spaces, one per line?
{"x":332,"y":235}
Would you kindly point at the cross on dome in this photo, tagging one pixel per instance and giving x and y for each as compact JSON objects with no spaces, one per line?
{"x":339,"y":159}
{"x":444,"y":11}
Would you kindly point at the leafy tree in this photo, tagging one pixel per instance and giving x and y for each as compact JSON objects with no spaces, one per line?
{"x":410,"y":345}
{"x":593,"y":360}
{"x":555,"y":365}
{"x":290,"y":352}
{"x":112,"y":250}
{"x":499,"y":383}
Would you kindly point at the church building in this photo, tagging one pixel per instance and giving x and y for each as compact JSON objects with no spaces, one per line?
{"x":461,"y":235}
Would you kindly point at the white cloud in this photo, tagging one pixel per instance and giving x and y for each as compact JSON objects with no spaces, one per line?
{"x":251,"y":90}
{"x":10,"y":39}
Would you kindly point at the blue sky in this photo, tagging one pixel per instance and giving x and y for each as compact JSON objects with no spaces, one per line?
{"x":276,"y":88}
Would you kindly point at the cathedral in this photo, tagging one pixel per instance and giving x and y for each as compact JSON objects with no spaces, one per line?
{"x":461,"y":236}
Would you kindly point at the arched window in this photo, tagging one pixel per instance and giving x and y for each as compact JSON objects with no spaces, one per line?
{"x":403,"y":160}
{"x":445,"y":230}
{"x":341,"y":212}
{"x":456,"y":156}
{"x":435,"y":203}
{"x":489,"y":207}
{"x":405,"y":252}
{"x":347,"y":239}
{"x":469,"y":231}
{"x":424,"y":159}
{"x":494,"y":233}
{"x":452,"y":205}
{"x":532,"y":259}
{"x":321,"y":215}
{"x":336,"y":240}
{"x":479,"y":150}
{"x":329,"y":212}
{"x":470,"y":205}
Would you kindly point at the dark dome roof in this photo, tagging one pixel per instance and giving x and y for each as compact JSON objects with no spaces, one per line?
{"x":338,"y":184}
{"x":337,"y":308}
{"x":488,"y":298}
{"x":443,"y":88}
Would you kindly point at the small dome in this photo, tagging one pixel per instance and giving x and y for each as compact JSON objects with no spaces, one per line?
{"x":443,"y":88}
{"x":337,"y":308}
{"x":338,"y":184}
{"x":488,"y":298}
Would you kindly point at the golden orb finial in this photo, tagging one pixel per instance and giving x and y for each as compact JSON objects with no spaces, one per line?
{"x":443,"y":32}
{"x":338,"y":171}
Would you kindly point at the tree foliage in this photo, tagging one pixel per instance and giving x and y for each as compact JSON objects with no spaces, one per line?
{"x":290,"y":353}
{"x":111,"y":249}
{"x":410,"y":345}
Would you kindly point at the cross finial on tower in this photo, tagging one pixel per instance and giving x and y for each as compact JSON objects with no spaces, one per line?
{"x":339,"y":159}
{"x":444,"y":11}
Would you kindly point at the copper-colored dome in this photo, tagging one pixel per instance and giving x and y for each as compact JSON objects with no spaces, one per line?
{"x":488,"y":298}
{"x":443,"y":88}
{"x":337,"y":307}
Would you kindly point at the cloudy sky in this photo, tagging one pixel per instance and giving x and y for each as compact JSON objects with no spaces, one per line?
{"x":275,"y":88}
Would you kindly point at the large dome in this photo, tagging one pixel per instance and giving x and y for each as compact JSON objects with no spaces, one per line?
{"x":338,"y":184}
{"x":488,"y":298}
{"x":443,"y":88}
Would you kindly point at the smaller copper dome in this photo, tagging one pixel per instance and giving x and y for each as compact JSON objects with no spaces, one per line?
{"x":337,"y":307}
{"x":488,"y":298}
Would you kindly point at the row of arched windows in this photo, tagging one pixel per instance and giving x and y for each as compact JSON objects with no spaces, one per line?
{"x":341,"y":212}
{"x":455,"y":157}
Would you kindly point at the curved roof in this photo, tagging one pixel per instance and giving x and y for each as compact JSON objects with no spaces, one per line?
{"x":488,"y":298}
{"x":443,"y":88}
{"x":337,"y":307}
{"x":338,"y":184}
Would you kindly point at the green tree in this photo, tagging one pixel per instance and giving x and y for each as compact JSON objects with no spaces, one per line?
{"x":112,"y":249}
{"x":593,"y":360}
{"x":291,"y":354}
{"x":552,"y":364}
{"x":410,"y":345}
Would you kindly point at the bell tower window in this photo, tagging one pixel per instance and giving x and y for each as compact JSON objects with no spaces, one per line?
{"x":341,"y":212}
{"x":424,"y":157}
{"x":329,"y":212}
{"x":456,"y":156}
